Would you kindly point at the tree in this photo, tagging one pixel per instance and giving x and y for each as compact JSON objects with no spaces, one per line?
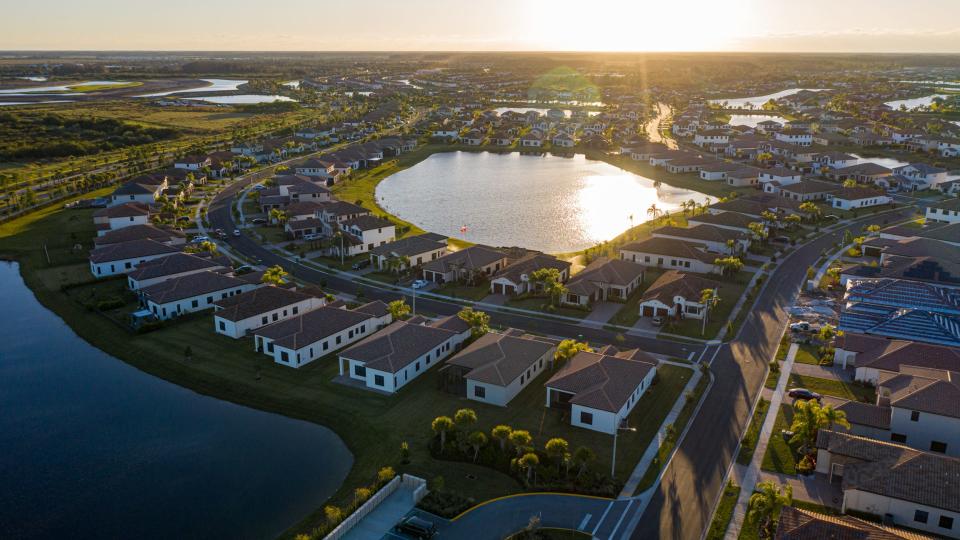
{"x":567,"y":349}
{"x":556,"y":448}
{"x":520,"y":439}
{"x":728,"y":265}
{"x":873,"y":229}
{"x":202,"y":247}
{"x":441,"y":425}
{"x":477,"y":440}
{"x":502,"y":434}
{"x":833,"y":417}
{"x":479,"y":321}
{"x":826,"y":333}
{"x":399,"y":309}
{"x":811,"y":210}
{"x":767,"y":503}
{"x":759,"y":230}
{"x":710,"y":300}
{"x":849,"y":182}
{"x":583,"y":456}
{"x":529,"y":463}
{"x":653,"y":211}
{"x":278,"y":216}
{"x":333,"y":514}
{"x":551,"y":283}
{"x":793,"y":220}
{"x":361,"y":494}
{"x":465,"y":418}
{"x":809,"y":417}
{"x":274,"y":275}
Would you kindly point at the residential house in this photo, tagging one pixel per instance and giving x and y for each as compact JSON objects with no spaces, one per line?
{"x":516,"y":277}
{"x":193,"y":163}
{"x":867,"y":173}
{"x":780,"y":175}
{"x":677,"y":295}
{"x":928,"y":175}
{"x":733,"y":221}
{"x":807,"y":190}
{"x":236,"y":316}
{"x":123,"y":215}
{"x":947,"y":211}
{"x":563,"y":140}
{"x":142,"y":189}
{"x":718,"y":170}
{"x":603,"y":279}
{"x":363,"y":233}
{"x":798,"y":137}
{"x":190,"y":293}
{"x":902,"y":308}
{"x":122,"y":257}
{"x":801,"y":524}
{"x":711,"y":138}
{"x":671,"y":254}
{"x":139,"y":232}
{"x":599,"y":389}
{"x":463,"y":265}
{"x":849,"y":198}
{"x":714,"y":239}
{"x":497,"y":366}
{"x":410,"y":251}
{"x":176,"y":265}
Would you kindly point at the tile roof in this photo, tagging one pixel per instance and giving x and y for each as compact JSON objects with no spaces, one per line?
{"x":473,"y":257}
{"x":729,"y":219}
{"x":130,"y":250}
{"x":935,"y":391}
{"x":601,"y":381}
{"x":130,"y":209}
{"x":135,"y":232}
{"x":410,"y":246}
{"x":604,"y":270}
{"x":673,"y":283}
{"x":397,"y":346}
{"x":190,"y":285}
{"x":799,"y":524}
{"x":530,"y":263}
{"x":300,"y":331}
{"x":500,"y":358}
{"x":671,"y":248}
{"x":707,"y":233}
{"x":177,"y":263}
{"x":259,"y":300}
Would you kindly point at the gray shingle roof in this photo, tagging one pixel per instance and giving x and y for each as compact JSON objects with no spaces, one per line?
{"x":130,"y":250}
{"x":601,"y":381}
{"x":260,"y":300}
{"x":397,"y":346}
{"x":190,"y":285}
{"x":175,"y":264}
{"x":499,"y":358}
{"x":312,"y":326}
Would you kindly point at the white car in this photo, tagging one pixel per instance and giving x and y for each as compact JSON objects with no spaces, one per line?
{"x":419,"y":284}
{"x":236,"y":232}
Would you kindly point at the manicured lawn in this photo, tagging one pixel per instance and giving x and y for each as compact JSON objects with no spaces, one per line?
{"x":543,"y":304}
{"x":730,"y":292}
{"x":469,"y":292}
{"x":807,"y":354}
{"x":832,"y":387}
{"x":271,"y":234}
{"x":724,"y":512}
{"x":629,"y":314}
{"x":780,"y":456}
{"x":752,"y":436}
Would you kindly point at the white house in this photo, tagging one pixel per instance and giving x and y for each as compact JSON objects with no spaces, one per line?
{"x":906,"y":487}
{"x":929,"y":175}
{"x":238,"y":315}
{"x":603,"y":279}
{"x":517,"y":277}
{"x":601,"y":388}
{"x":193,"y":163}
{"x":401,"y":352}
{"x":711,"y":138}
{"x":191,"y":293}
{"x":301,"y":339}
{"x":123,"y":215}
{"x":676,"y":294}
{"x":849,"y":198}
{"x":122,"y":257}
{"x":670,"y":254}
{"x":363,"y":233}
{"x":409,"y":251}
{"x":794,"y":136}
{"x":947,"y":211}
{"x":718,"y":170}
{"x":142,"y":189}
{"x":781,"y":175}
{"x":460,"y":265}
{"x":714,"y":239}
{"x":176,"y":265}
{"x":497,"y":366}
{"x":562,"y":140}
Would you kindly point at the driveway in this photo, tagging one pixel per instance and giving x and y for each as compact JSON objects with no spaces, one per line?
{"x":601,"y":313}
{"x":379,"y":522}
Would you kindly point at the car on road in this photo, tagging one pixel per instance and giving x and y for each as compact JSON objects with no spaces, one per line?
{"x":657,"y":321}
{"x":259,"y":187}
{"x":803,"y":393}
{"x":416,"y":527}
{"x":236,"y":232}
{"x":419,"y":284}
{"x":360,"y":264}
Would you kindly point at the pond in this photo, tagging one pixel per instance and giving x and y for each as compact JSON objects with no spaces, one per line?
{"x":39,"y":90}
{"x":756,"y":102}
{"x":242,"y":99}
{"x":751,"y":120}
{"x":889,"y":163}
{"x":914,"y":103}
{"x":91,"y":447}
{"x":214,"y":85}
{"x":548,"y":203}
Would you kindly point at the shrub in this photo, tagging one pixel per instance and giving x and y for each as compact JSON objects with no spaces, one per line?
{"x":109,"y":303}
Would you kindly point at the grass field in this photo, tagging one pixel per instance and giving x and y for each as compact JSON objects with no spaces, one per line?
{"x":371,"y":425}
{"x":542,"y":304}
{"x":752,"y":436}
{"x":780,"y":456}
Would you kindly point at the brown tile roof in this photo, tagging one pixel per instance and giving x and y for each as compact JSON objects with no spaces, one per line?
{"x":866,"y":414}
{"x":410,"y":246}
{"x":601,"y":381}
{"x":730,"y":219}
{"x":673,"y":283}
{"x":260,"y":300}
{"x":890,"y":354}
{"x":707,"y":233}
{"x":530,"y":263}
{"x":799,"y":524}
{"x":397,"y":346}
{"x":312,"y":326}
{"x":500,"y":358}
{"x":605,"y":270}
{"x":473,"y":257}
{"x":671,"y":248}
{"x":935,"y":391}
{"x":895,"y":471}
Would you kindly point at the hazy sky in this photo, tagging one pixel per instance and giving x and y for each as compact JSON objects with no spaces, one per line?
{"x":393,"y":25}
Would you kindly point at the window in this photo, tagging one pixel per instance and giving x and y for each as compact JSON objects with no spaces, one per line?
{"x":920,"y":516}
{"x":937,"y":446}
{"x":586,"y":418}
{"x":264,"y":320}
{"x":378,"y":380}
{"x":946,"y":522}
{"x":522,"y":378}
{"x":223,"y":326}
{"x":416,"y":367}
{"x":209,"y":299}
{"x":195,"y":303}
{"x":914,"y":416}
{"x":339,"y":339}
{"x":295,"y":310}
{"x":479,"y":391}
{"x":326,"y":345}
{"x":359,"y":371}
{"x":275,"y":316}
{"x":284,"y":356}
{"x":898,"y":437}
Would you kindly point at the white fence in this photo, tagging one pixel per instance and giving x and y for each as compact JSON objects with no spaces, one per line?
{"x":418,"y":486}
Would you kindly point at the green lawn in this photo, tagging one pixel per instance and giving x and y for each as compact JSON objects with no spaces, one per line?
{"x":807,"y":354}
{"x":724,"y":512}
{"x":833,"y":387}
{"x":543,"y":304}
{"x":371,"y":425}
{"x":469,"y":292}
{"x":752,"y":436}
{"x":271,"y":234}
{"x":780,"y":456}
{"x":629,"y":314}
{"x":730,"y":292}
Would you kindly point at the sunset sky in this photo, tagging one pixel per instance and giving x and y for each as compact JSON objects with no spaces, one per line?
{"x":485,"y":25}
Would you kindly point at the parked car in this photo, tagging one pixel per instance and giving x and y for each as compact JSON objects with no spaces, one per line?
{"x":416,"y":527}
{"x":259,"y":187}
{"x":420,"y":283}
{"x":361,"y":264}
{"x":781,"y":239}
{"x":241,"y":270}
{"x":802,"y":326}
{"x":258,"y":221}
{"x":199,"y":239}
{"x":658,"y":321}
{"x":236,"y":232}
{"x":803,"y":393}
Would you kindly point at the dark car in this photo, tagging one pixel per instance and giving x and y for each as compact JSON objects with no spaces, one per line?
{"x":781,"y":239}
{"x":361,"y":264}
{"x":416,"y":527}
{"x":803,"y":393}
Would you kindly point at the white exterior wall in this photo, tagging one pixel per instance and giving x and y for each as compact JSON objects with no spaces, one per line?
{"x":902,"y":511}
{"x":502,"y":395}
{"x":145,"y":198}
{"x":113,"y":268}
{"x":137,"y":285}
{"x":305,"y":355}
{"x":929,"y":427}
{"x":170,"y":310}
{"x":121,"y":222}
{"x":943,"y":216}
{"x":605,"y":421}
{"x":395,"y":381}
{"x":665,"y":261}
{"x":712,"y":175}
{"x":238,"y":329}
{"x":845,"y":204}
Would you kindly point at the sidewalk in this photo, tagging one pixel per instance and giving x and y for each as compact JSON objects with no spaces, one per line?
{"x":748,"y":477}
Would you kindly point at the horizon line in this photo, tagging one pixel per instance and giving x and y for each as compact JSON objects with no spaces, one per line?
{"x":453,"y":51}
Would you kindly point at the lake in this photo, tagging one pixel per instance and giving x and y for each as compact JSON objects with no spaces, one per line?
{"x":548,"y":203}
{"x":756,"y":102}
{"x":914,"y":103}
{"x":751,"y":120}
{"x":91,"y":447}
{"x":35,"y":90}
{"x":541,"y":110}
{"x":889,"y":163}
{"x":214,"y":85}
{"x":242,"y":99}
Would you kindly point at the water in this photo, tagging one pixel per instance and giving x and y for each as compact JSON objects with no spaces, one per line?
{"x":543,"y":111}
{"x":33,"y":90}
{"x":751,"y":120}
{"x":243,"y":99}
{"x":889,"y":163}
{"x":93,"y":448}
{"x":548,"y":203}
{"x":292,"y":84}
{"x":215,"y":85}
{"x":756,"y":102}
{"x":8,"y":103}
{"x":914,"y":103}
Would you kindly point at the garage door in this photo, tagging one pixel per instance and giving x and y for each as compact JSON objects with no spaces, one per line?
{"x":647,"y":311}
{"x":662,"y":312}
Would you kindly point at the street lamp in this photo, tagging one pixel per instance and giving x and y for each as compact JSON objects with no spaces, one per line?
{"x":613,"y":462}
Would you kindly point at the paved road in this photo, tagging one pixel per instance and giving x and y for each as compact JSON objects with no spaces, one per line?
{"x":682,"y":506}
{"x":220,"y":217}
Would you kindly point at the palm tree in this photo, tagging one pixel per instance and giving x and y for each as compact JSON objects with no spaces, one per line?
{"x":502,"y":434}
{"x":477,"y":440}
{"x":653,"y":211}
{"x":274,"y":275}
{"x":583,"y":456}
{"x":710,"y":300}
{"x":465,"y":418}
{"x":278,"y":216}
{"x":567,"y":349}
{"x":441,"y":425}
{"x":520,"y":439}
{"x":529,"y":461}
{"x":556,"y":448}
{"x":399,"y":309}
{"x":767,"y":503}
